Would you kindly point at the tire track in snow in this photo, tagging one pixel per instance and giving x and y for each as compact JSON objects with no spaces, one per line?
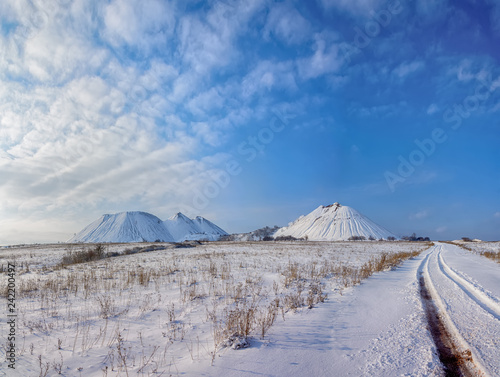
{"x":485,"y":302}
{"x":457,"y":357}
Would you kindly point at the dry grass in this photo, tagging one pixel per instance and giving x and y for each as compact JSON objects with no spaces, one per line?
{"x":492,"y":255}
{"x":478,"y":248}
{"x":87,"y":255}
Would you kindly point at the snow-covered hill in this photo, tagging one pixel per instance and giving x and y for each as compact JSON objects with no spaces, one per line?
{"x":183,"y":228}
{"x":256,"y":235}
{"x":143,"y":226}
{"x":125,"y":227}
{"x":333,"y":223}
{"x":180,"y":226}
{"x":208,"y":228}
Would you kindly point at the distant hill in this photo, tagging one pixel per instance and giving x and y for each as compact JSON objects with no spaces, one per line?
{"x":183,"y":228}
{"x":143,"y":226}
{"x":334,"y":223}
{"x":125,"y":227}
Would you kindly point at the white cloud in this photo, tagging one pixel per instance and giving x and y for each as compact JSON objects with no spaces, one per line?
{"x":184,"y":86}
{"x":83,"y":93}
{"x":48,"y":43}
{"x":42,"y":230}
{"x":432,"y":109}
{"x":141,"y":24}
{"x":495,"y":16}
{"x":441,"y":229}
{"x":327,"y":58}
{"x":431,"y":11}
{"x":208,"y":41}
{"x":268,"y":76}
{"x":51,"y":56}
{"x":82,"y":129}
{"x":497,"y":214}
{"x":205,"y":102}
{"x":158,"y":75}
{"x":406,"y":69}
{"x":419,"y":215}
{"x":209,"y":134}
{"x":381,"y":110}
{"x":354,"y":7}
{"x":464,"y":70}
{"x":285,"y":23}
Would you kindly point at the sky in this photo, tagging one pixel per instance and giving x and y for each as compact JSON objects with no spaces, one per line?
{"x":250,"y":113}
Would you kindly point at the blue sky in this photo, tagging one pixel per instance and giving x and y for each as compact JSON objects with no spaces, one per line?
{"x":250,"y":113}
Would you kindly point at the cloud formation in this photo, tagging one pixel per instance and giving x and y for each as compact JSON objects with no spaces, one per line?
{"x":130,"y":104}
{"x":419,"y":215}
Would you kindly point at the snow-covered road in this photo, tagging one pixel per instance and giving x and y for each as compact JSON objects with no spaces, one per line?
{"x":381,"y":328}
{"x":465,"y":289}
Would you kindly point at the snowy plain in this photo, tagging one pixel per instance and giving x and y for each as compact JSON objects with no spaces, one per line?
{"x":165,"y":312}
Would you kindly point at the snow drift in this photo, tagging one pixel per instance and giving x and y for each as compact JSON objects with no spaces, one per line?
{"x":333,"y":223}
{"x":143,"y":226}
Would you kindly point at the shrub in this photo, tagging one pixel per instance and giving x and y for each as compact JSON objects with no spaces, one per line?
{"x":357,"y":238}
{"x":88,"y":255}
{"x":414,"y":237}
{"x":285,"y":238}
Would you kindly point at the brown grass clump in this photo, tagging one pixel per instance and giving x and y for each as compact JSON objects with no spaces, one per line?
{"x":492,"y":255}
{"x":83,"y":256}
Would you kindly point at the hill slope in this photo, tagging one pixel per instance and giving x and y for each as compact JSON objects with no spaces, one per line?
{"x":180,"y":227}
{"x":209,"y":228}
{"x":183,"y":228}
{"x":333,"y":223}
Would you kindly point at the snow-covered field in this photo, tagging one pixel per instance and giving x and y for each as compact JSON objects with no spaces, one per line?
{"x":489,"y":249}
{"x":242,"y":309}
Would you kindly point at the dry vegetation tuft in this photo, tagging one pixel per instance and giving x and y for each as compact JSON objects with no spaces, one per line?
{"x":482,"y":248}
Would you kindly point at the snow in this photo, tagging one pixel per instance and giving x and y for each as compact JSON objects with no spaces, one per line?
{"x":199,"y":228}
{"x":124,"y":227}
{"x":480,"y":247}
{"x":256,"y":235}
{"x":143,"y":226}
{"x":208,"y":229}
{"x":377,"y":328}
{"x":468,"y":296}
{"x":180,"y":226}
{"x":333,"y":223}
